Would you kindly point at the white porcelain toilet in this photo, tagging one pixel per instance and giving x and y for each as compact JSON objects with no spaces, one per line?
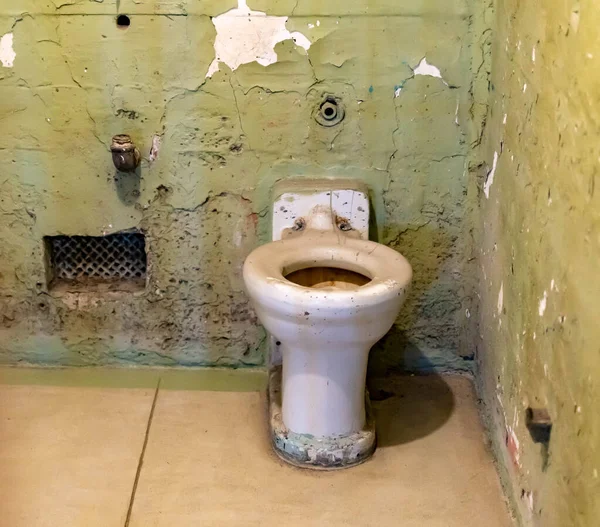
{"x":326,"y":294}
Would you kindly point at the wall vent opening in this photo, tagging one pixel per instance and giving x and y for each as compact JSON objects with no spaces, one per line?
{"x":84,"y":263}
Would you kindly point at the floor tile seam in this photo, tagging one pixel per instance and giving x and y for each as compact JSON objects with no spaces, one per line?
{"x":140,"y":464}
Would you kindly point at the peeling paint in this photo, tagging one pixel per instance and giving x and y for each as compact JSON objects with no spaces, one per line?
{"x":245,"y":36}
{"x":544,"y":217}
{"x":490,"y":177}
{"x":542,"y":304}
{"x":7,"y":53}
{"x":429,"y":70}
{"x":501,"y":298}
{"x":155,"y":148}
{"x":202,"y":193}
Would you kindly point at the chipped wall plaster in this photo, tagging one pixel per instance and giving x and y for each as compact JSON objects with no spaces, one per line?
{"x":245,"y":36}
{"x":429,"y":70}
{"x":203,"y":201}
{"x":490,"y":177}
{"x":154,"y":149}
{"x":7,"y":53}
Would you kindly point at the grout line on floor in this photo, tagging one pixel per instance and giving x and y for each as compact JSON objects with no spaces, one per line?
{"x":143,"y":452}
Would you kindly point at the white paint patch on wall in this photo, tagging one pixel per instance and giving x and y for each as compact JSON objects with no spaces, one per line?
{"x":429,"y":70}
{"x":245,"y":36}
{"x":501,"y":298}
{"x":7,"y":53}
{"x":490,"y":177}
{"x":155,"y":148}
{"x":543,"y":303}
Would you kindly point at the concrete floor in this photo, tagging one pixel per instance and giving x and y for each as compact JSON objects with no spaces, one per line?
{"x":99,"y":456}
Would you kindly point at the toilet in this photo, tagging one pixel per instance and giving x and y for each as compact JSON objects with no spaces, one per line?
{"x":326,"y":295}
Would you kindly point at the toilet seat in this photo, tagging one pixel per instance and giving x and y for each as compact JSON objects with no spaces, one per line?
{"x":266,"y":267}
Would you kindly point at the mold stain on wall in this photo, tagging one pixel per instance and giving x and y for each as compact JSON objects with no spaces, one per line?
{"x":212,"y":148}
{"x":539,"y":247}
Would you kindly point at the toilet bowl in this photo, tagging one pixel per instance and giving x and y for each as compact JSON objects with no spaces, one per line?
{"x":327,"y":295}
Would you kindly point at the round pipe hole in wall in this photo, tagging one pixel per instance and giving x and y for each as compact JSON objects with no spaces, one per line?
{"x":123,"y":21}
{"x":329,"y":112}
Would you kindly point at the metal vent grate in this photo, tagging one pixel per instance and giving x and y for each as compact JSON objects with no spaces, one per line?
{"x":113,"y":257}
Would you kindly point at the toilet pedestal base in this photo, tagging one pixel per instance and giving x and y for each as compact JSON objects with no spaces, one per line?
{"x":323,"y":453}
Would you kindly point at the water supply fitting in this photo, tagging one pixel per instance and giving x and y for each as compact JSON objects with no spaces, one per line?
{"x":330,"y":111}
{"x":125,"y":155}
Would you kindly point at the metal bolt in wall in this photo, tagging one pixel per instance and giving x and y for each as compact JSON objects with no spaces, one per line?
{"x":343,"y":224}
{"x":299,"y":225}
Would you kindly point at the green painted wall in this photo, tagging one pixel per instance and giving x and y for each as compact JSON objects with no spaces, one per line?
{"x":538,"y":265}
{"x":203,"y":203}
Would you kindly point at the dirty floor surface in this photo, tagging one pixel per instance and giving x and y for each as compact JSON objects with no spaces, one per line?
{"x":140,"y":456}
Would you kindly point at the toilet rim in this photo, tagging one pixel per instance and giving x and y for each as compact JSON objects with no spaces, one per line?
{"x":266,"y":268}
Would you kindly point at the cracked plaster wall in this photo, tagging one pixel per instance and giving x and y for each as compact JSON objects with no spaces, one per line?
{"x":203,"y":200}
{"x":538,"y":264}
